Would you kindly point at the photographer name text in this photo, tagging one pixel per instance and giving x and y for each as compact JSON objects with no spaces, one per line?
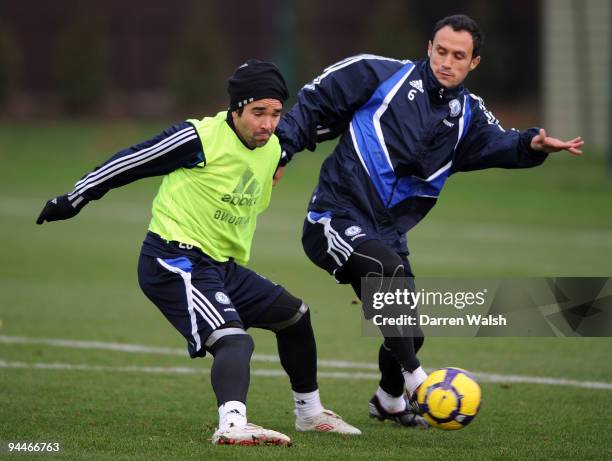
{"x":428,"y":320}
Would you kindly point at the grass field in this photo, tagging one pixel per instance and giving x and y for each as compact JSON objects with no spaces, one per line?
{"x":76,"y":280}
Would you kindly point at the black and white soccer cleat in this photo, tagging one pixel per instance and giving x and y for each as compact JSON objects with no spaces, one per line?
{"x":407,"y":417}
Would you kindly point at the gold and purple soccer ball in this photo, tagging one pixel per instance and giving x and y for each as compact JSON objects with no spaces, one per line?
{"x":449,"y":398}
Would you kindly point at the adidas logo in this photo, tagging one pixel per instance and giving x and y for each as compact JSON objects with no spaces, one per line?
{"x":301,"y":402}
{"x":246,"y":192}
{"x":248,"y":184}
{"x":235,"y":412}
{"x":418,"y":84}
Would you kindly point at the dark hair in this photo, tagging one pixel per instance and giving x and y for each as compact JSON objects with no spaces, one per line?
{"x":459,"y":22}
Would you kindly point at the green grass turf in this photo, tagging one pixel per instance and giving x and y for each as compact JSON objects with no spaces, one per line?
{"x":77,"y":280}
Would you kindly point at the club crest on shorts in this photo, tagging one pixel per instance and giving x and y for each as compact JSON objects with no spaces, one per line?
{"x":222,"y":297}
{"x":455,"y":107}
{"x":351,"y":231}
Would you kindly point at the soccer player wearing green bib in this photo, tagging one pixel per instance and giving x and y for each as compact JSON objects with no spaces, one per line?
{"x":218,"y":175}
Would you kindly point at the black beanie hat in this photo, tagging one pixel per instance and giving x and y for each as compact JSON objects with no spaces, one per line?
{"x":255,"y":80}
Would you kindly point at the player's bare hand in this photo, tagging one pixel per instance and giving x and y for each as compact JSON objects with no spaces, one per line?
{"x":277,"y":175}
{"x":547,"y":144}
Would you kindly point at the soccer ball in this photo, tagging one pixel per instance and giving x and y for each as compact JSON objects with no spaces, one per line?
{"x":449,"y":398}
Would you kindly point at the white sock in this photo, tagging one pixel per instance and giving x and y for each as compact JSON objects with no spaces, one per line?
{"x":414,"y":379}
{"x":232,"y":413}
{"x":307,"y":404}
{"x":389,"y":402}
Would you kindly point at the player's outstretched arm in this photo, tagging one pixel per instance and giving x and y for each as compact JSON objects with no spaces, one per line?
{"x":544,"y":143}
{"x":176,"y":147}
{"x":325,"y":106}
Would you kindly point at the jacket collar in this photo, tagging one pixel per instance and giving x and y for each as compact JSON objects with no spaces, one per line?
{"x":437,"y":93}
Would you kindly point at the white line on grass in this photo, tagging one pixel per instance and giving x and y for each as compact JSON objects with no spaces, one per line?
{"x":73,"y":344}
{"x":171,"y":370}
{"x":137,"y":348}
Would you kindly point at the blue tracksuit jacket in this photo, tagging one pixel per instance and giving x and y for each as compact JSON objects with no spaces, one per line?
{"x":401,"y":136}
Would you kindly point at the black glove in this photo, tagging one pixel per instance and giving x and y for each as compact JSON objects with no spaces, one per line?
{"x":61,"y":208}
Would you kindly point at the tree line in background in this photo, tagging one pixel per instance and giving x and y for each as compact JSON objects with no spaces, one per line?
{"x":85,"y":55}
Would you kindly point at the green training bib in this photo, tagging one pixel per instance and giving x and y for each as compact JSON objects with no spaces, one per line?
{"x":214,"y":206}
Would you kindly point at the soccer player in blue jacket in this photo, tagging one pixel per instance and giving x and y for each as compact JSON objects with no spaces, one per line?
{"x":404,"y":127}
